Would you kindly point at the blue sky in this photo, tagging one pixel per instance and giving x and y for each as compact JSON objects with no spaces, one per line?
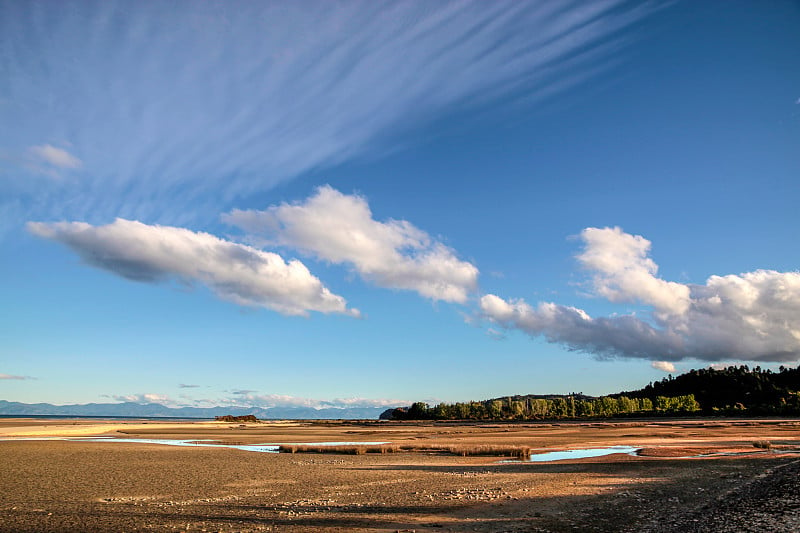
{"x":373,"y":203}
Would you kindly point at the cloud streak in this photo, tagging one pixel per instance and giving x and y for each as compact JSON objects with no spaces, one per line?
{"x":54,"y":157}
{"x":234,"y":272}
{"x":340,"y":228}
{"x":13,"y":377}
{"x":753,"y":316}
{"x":198,"y":104}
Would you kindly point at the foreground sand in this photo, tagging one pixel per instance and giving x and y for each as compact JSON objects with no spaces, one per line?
{"x":88,"y":486}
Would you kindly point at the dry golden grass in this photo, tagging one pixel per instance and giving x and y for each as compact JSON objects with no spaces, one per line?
{"x":347,"y":449}
{"x":522,"y":452}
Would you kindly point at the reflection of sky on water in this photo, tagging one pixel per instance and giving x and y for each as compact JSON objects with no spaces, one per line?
{"x":264,"y":448}
{"x":273,"y":448}
{"x":581,"y":454}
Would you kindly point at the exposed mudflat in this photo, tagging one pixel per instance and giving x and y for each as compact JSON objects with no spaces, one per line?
{"x":770,"y":502}
{"x":107,"y":486}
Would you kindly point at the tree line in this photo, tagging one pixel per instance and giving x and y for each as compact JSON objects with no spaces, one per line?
{"x":560,"y":407}
{"x":735,"y":390}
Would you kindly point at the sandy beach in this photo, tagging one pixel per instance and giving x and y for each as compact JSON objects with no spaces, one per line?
{"x":74,"y":485}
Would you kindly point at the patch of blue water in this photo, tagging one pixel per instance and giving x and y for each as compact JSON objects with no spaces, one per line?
{"x":578,"y":454}
{"x":263,"y":448}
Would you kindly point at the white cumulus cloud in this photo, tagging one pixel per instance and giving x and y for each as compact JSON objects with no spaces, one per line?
{"x":142,"y":398}
{"x":253,"y":399}
{"x":573,"y":327}
{"x":752,"y":316}
{"x":622,"y":271}
{"x":340,"y":228}
{"x":235,"y":272}
{"x":364,"y":402}
{"x":664,"y":366}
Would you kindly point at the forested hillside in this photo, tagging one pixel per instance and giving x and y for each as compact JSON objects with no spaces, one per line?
{"x":736,"y":390}
{"x":732,"y":390}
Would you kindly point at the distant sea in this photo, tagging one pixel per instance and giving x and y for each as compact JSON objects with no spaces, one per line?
{"x":154,"y":411}
{"x":78,"y":417}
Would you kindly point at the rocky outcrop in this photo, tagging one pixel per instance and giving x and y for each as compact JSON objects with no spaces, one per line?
{"x":395,"y":413}
{"x":231,"y":418}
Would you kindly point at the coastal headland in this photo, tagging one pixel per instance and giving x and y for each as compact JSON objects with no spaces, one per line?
{"x":434,"y":476}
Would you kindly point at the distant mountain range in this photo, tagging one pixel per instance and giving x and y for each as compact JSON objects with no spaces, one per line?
{"x":157,"y":410}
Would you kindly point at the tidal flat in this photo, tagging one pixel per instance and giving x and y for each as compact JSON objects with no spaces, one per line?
{"x":684,"y":473}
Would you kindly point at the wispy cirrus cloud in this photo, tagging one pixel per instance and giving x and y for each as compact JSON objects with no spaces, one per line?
{"x":235,"y":272}
{"x":340,"y":228}
{"x":754,"y":316}
{"x":17,"y":167}
{"x":242,"y":392}
{"x":54,"y":157}
{"x":14,"y":377}
{"x":198,"y":104}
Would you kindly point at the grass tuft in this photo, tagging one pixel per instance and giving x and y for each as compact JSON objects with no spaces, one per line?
{"x":349,"y":449}
{"x":521,"y":452}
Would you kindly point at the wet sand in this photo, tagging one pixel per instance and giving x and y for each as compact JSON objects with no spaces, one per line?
{"x":89,"y":486}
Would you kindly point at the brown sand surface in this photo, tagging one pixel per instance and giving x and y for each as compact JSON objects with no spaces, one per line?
{"x":48,"y":485}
